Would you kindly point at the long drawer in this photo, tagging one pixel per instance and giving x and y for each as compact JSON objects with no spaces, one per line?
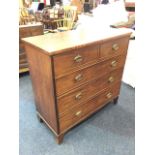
{"x":78,"y":78}
{"x":75,"y":115}
{"x":87,"y":91}
{"x":67,"y":61}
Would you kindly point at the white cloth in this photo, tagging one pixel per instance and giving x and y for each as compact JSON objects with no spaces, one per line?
{"x":104,"y":16}
{"x":110,"y":13}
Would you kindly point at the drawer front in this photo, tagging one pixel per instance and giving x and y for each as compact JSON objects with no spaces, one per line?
{"x":30,"y":31}
{"x":87,"y":91}
{"x":114,"y":48}
{"x":37,"y":31}
{"x":67,"y":61}
{"x":22,"y":61}
{"x":23,"y":65}
{"x":78,"y":78}
{"x":22,"y":55}
{"x":21,"y":47}
{"x":24,"y":32}
{"x":81,"y":112}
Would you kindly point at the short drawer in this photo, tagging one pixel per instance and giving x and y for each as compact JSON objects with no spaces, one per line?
{"x":78,"y":78}
{"x":77,"y":114}
{"x":114,"y":48}
{"x":69,"y":60}
{"x":87,"y":91}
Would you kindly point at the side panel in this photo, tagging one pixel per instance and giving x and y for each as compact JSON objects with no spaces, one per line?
{"x":43,"y":87}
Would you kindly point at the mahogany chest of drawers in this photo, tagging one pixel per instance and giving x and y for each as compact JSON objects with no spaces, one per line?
{"x":27,"y":31}
{"x":74,"y":74}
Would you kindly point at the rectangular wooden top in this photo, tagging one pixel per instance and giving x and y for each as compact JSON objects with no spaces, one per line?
{"x":54,"y":43}
{"x":31,"y":25}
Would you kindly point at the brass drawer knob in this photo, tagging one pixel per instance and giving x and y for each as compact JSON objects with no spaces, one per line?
{"x":78,"y":58}
{"x":78,"y":96}
{"x":109,"y":95}
{"x":111,"y":79}
{"x":114,"y":63}
{"x":115,"y":47}
{"x":78,"y":113}
{"x":78,"y":77}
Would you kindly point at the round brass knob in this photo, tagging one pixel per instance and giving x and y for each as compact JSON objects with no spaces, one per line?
{"x":78,"y":58}
{"x":115,"y":47}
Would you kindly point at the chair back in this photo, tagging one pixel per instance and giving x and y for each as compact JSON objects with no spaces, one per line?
{"x":25,"y":17}
{"x":24,"y":12}
{"x":70,"y":15}
{"x":68,"y":18}
{"x":70,"y":12}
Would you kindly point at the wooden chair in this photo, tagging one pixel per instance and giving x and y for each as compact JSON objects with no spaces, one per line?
{"x":69,"y":18}
{"x":25,"y":17}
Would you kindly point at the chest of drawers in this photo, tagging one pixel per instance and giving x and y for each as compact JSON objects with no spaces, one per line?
{"x":27,"y":31}
{"x":74,"y":75}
